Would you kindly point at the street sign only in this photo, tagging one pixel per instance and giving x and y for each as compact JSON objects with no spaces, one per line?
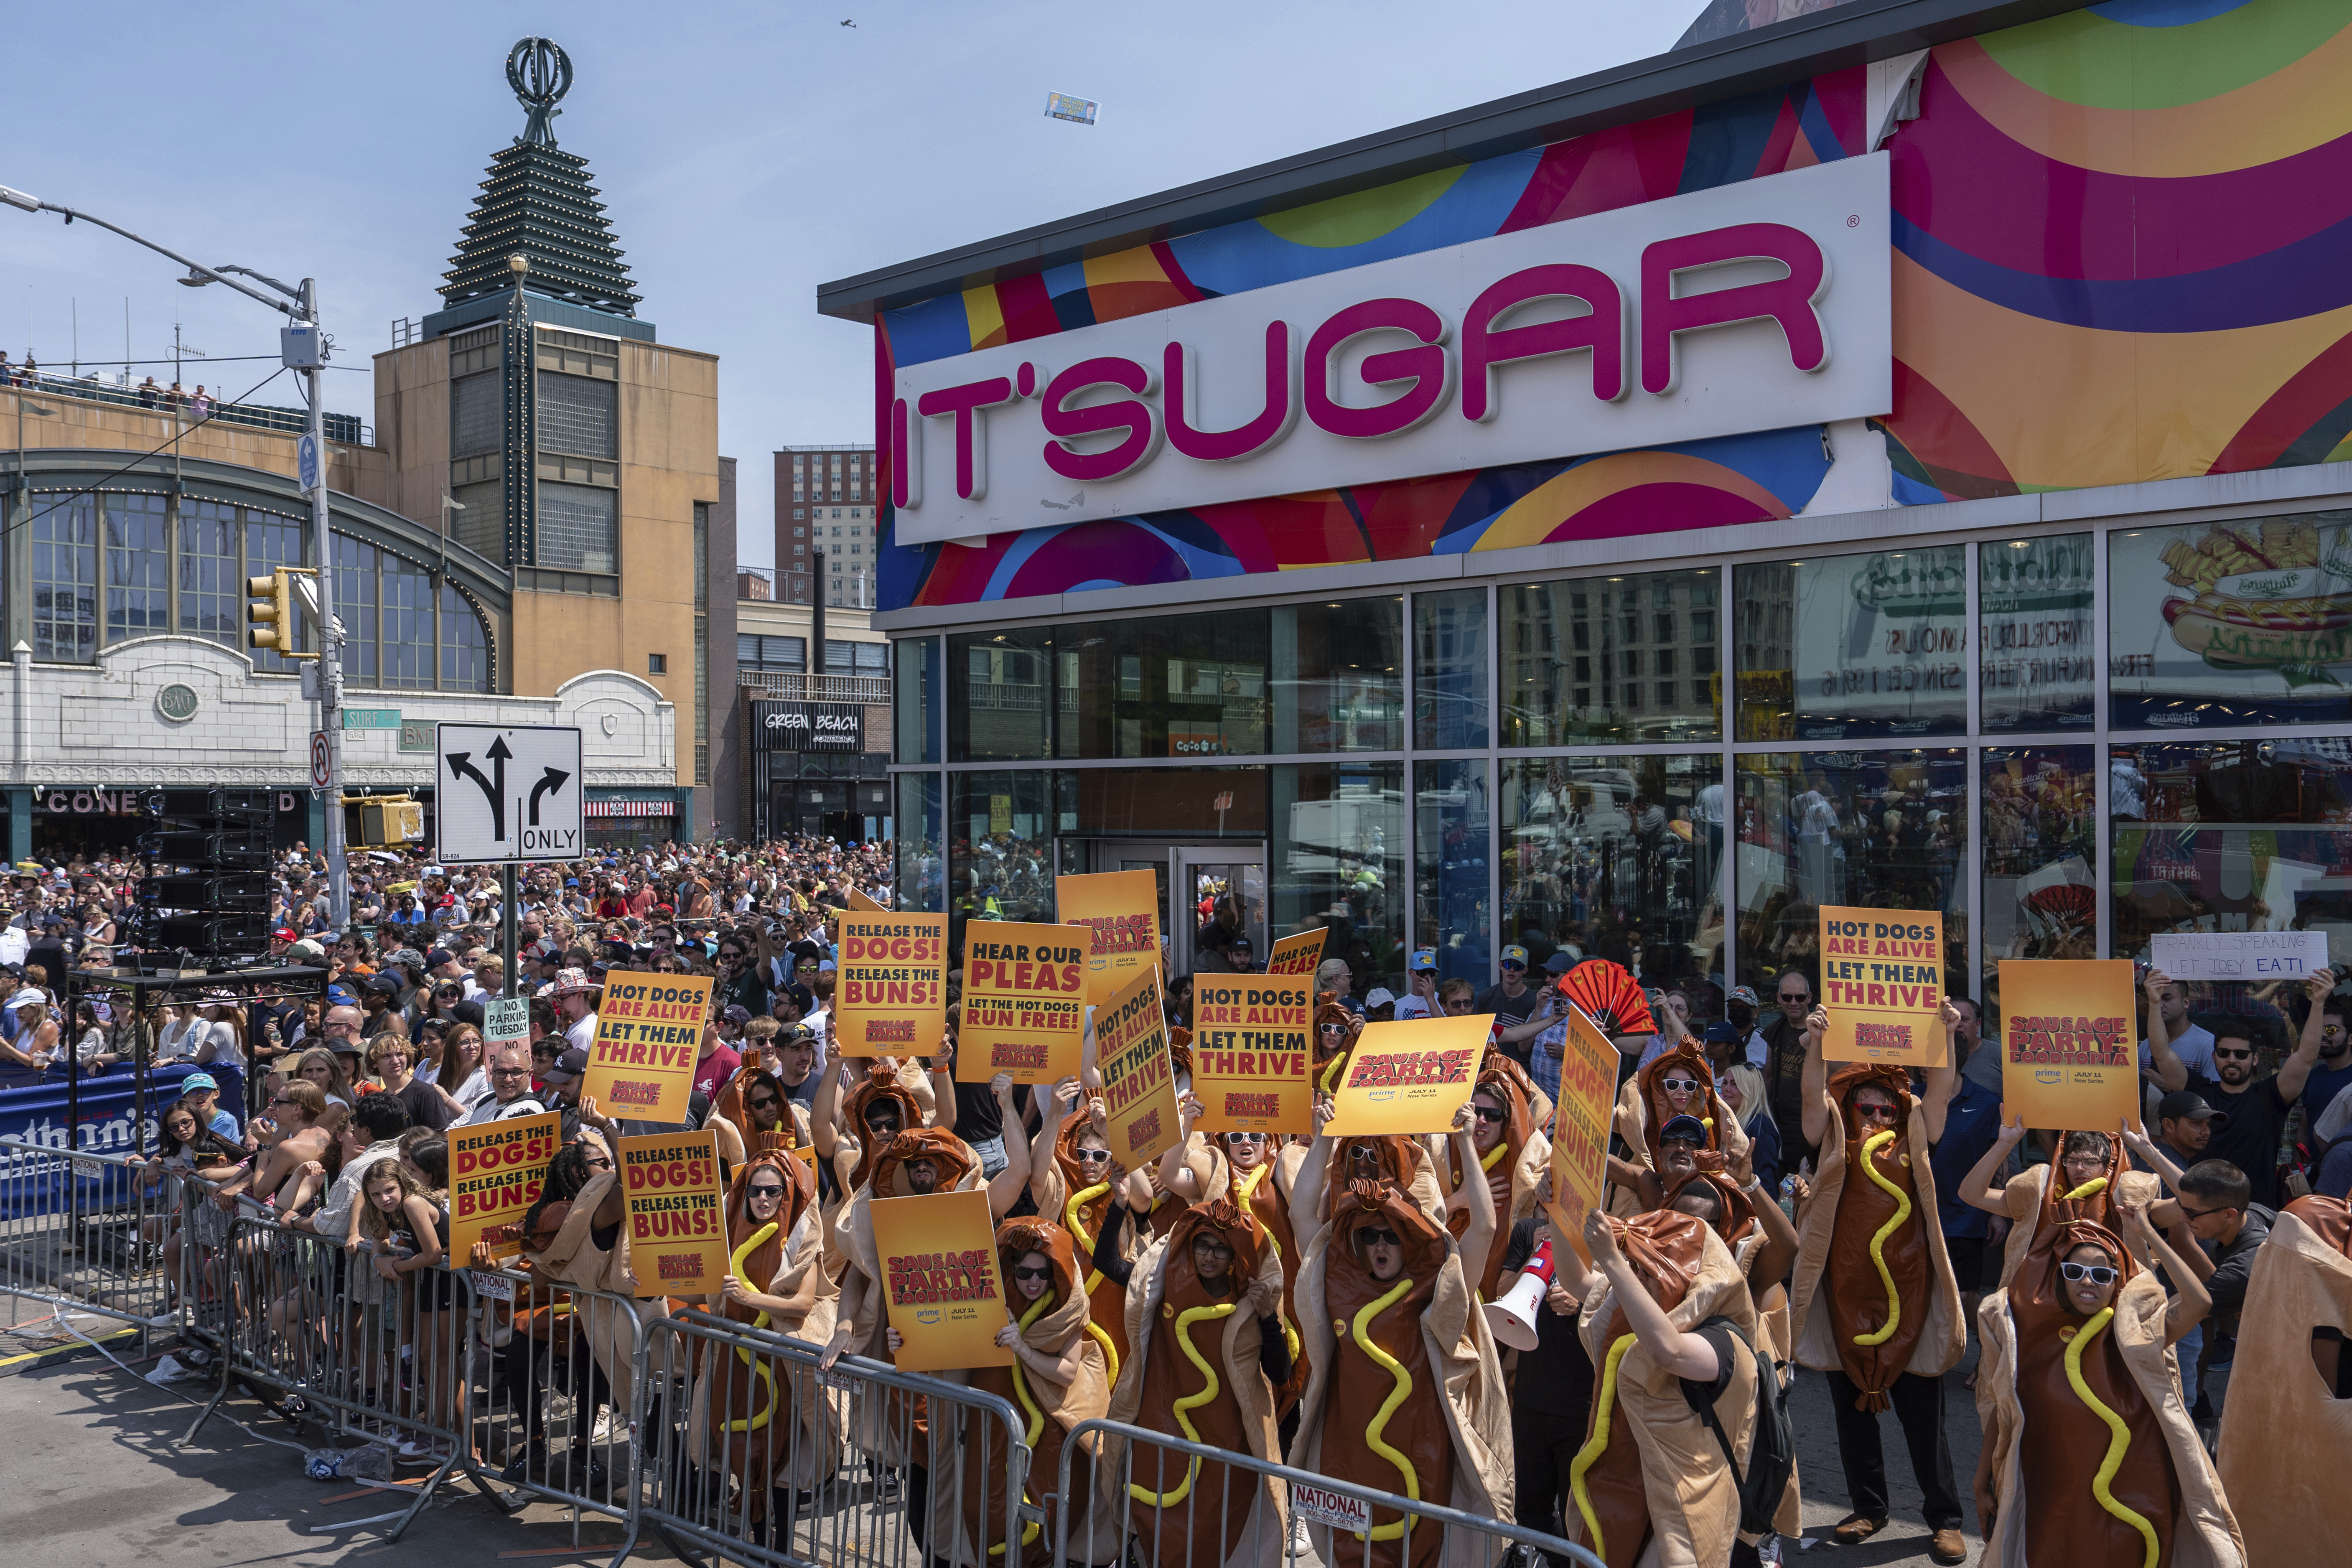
{"x":506,"y":793}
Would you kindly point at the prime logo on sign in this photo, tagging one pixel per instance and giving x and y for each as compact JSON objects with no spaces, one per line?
{"x":1706,"y":314}
{"x":507,"y":792}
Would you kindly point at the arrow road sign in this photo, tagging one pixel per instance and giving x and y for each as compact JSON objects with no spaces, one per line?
{"x":483,"y":817}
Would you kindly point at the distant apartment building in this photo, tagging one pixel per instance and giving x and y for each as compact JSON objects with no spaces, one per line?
{"x":826,"y":512}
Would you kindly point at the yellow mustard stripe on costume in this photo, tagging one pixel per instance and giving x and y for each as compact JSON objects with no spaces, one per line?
{"x":1493,"y":1156}
{"x":1029,"y":1403}
{"x":1397,"y":1395}
{"x":1885,"y":1330}
{"x":1290,"y":1331}
{"x":760,"y":1369}
{"x":2091,"y":1188}
{"x":1070,"y":1217}
{"x":1182,"y":1408}
{"x":2118,"y":1434}
{"x":1598,"y":1444}
{"x":1337,"y":1063}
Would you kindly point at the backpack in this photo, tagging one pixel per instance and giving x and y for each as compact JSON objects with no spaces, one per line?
{"x":1772,"y":1453}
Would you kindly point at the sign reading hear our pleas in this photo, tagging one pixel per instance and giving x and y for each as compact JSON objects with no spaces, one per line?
{"x":1755,"y":305}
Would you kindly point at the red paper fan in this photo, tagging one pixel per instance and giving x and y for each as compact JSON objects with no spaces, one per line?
{"x":2067,"y":900}
{"x":1611,"y":997}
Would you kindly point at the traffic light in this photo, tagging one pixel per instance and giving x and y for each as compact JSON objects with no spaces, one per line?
{"x":272,"y":620}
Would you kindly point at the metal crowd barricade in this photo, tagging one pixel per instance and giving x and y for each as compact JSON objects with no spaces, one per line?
{"x":1122,"y":1534}
{"x":83,"y":1232}
{"x":768,"y":1460}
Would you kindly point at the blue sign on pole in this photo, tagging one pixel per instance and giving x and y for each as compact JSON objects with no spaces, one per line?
{"x":306,"y":462}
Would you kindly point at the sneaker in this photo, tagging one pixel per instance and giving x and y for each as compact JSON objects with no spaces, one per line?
{"x":603,"y":1431}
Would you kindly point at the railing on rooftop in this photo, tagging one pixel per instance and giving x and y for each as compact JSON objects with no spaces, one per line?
{"x":779,"y":686}
{"x":344,"y":429}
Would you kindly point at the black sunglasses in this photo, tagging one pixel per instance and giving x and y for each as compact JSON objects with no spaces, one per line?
{"x":1488,"y":1113}
{"x":1380,"y":1237}
{"x":767,"y":1192}
{"x":1023,"y":1273}
{"x":769,"y":1103}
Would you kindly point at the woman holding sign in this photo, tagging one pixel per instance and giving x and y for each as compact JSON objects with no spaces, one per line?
{"x":1876,"y":1305}
{"x":1073,"y":1179}
{"x":2089,"y":1458}
{"x":1407,"y":1394}
{"x":2092,"y":1178}
{"x":1332,"y":1165}
{"x":1265,"y":1173}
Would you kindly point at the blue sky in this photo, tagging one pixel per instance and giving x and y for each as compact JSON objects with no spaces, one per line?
{"x":746,"y":153}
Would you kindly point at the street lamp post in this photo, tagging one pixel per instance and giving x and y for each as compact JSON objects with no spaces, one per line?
{"x":302,"y":347}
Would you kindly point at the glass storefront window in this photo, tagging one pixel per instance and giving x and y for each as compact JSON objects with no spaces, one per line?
{"x":922,"y":856}
{"x":917,"y":692}
{"x":1169,"y":685}
{"x":1870,"y":829}
{"x":1001,"y":710}
{"x":2232,"y":836}
{"x":2035,"y":661}
{"x":2244,"y":622}
{"x":1337,"y":860}
{"x":1854,"y":646}
{"x":1449,"y":670}
{"x":1338,"y":676}
{"x":1162,"y":803}
{"x":2041,"y":822}
{"x":1614,"y":858}
{"x":1611,"y":659}
{"x":1000,"y":864}
{"x":1452,"y":887}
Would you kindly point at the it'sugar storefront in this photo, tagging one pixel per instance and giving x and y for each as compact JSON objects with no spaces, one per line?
{"x":1805,"y":468}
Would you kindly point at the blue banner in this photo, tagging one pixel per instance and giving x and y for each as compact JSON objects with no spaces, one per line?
{"x":32,"y":1182}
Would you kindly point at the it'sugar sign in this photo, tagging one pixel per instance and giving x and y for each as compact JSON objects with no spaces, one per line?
{"x":506,"y":793}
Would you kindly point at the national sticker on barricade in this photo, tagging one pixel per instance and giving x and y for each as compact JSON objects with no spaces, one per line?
{"x":1298,"y":954}
{"x":1324,"y":1506}
{"x":1250,"y":1045}
{"x":1121,"y":909}
{"x":1138,"y":1085}
{"x":1409,"y":1078}
{"x":648,"y":1033}
{"x":890,"y":993}
{"x":1024,"y":1009}
{"x":1580,"y":1118}
{"x":495,"y":1169}
{"x":938,"y":1253}
{"x":1883,"y":984}
{"x":677,"y":1219}
{"x":2069,"y":1045}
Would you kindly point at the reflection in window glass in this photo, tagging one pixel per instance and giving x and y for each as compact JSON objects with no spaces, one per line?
{"x":1169,"y":685}
{"x":1854,"y":646}
{"x":1449,"y":669}
{"x":2035,"y":653}
{"x":923,"y":863}
{"x":1338,"y":676}
{"x":1000,"y":851}
{"x":65,"y":578}
{"x":1611,"y":659}
{"x":2232,"y":836}
{"x":1452,"y":905}
{"x":1614,"y":858}
{"x":2244,"y":622}
{"x":138,"y":567}
{"x":2041,"y":860}
{"x":919,"y":700}
{"x":212,"y":597}
{"x":355,"y":564}
{"x":999,"y":711}
{"x":1870,"y":829}
{"x":465,"y":646}
{"x":1337,"y":860}
{"x":407,"y":625}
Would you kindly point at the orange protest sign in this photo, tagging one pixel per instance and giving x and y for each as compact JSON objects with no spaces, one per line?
{"x":494,"y":1172}
{"x":859,"y":904}
{"x":891,"y":996}
{"x":1580,"y":1118}
{"x":648,"y":1030}
{"x":677,"y":1215}
{"x":1883,"y":984}
{"x":2069,"y":1048}
{"x":1138,"y":1085}
{"x":938,"y":1254}
{"x":1298,"y":953}
{"x":1250,"y":1051}
{"x":1122,"y":910}
{"x":1023,"y":1002}
{"x":1409,"y":1078}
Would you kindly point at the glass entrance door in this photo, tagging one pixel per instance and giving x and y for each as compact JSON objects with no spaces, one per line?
{"x":1216,"y":885}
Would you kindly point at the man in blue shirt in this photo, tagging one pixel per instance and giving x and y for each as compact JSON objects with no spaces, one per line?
{"x":1972,"y":1126}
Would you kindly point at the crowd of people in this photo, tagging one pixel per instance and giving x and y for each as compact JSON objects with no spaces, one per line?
{"x":1770,"y":1215}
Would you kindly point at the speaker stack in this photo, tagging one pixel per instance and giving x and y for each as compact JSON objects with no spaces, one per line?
{"x":206,"y":904}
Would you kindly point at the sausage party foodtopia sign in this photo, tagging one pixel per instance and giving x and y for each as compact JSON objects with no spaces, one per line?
{"x":1749,"y":307}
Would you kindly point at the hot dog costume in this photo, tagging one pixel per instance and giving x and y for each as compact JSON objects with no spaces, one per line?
{"x":1516,"y":1164}
{"x":1265,"y":1189}
{"x":1078,"y":1203}
{"x":1643,"y":1109}
{"x":2038,"y":1206}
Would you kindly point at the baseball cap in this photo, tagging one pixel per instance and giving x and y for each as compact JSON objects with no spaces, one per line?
{"x":1381,"y":996}
{"x":1559,"y":963}
{"x":196,"y":1080}
{"x":1721,"y":1033}
{"x":383,"y":982}
{"x":341,"y":996}
{"x":1425,"y":959}
{"x":570,"y":1065}
{"x":2188,"y":1105}
{"x":285,"y":934}
{"x":439,"y":957}
{"x":736,"y":1013}
{"x":1517,"y":954}
{"x":409,"y":956}
{"x":1244,"y":942}
{"x":1683,"y":1127}
{"x":1745,"y":994}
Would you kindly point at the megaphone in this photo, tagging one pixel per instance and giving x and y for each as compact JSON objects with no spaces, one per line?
{"x":1512,"y":1318}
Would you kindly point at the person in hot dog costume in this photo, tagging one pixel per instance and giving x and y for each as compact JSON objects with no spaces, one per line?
{"x":2284,"y":1453}
{"x":2093,"y":1179}
{"x":1074,"y":1181}
{"x":1875,"y":1305}
{"x":745,"y":1405}
{"x":2090,"y":1458}
{"x":1679,"y":1083}
{"x":1407,"y":1394}
{"x":1512,"y":1155}
{"x":1208,"y":1354}
{"x":1650,"y":1484}
{"x":1330,"y":1164}
{"x":1264,"y":1173}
